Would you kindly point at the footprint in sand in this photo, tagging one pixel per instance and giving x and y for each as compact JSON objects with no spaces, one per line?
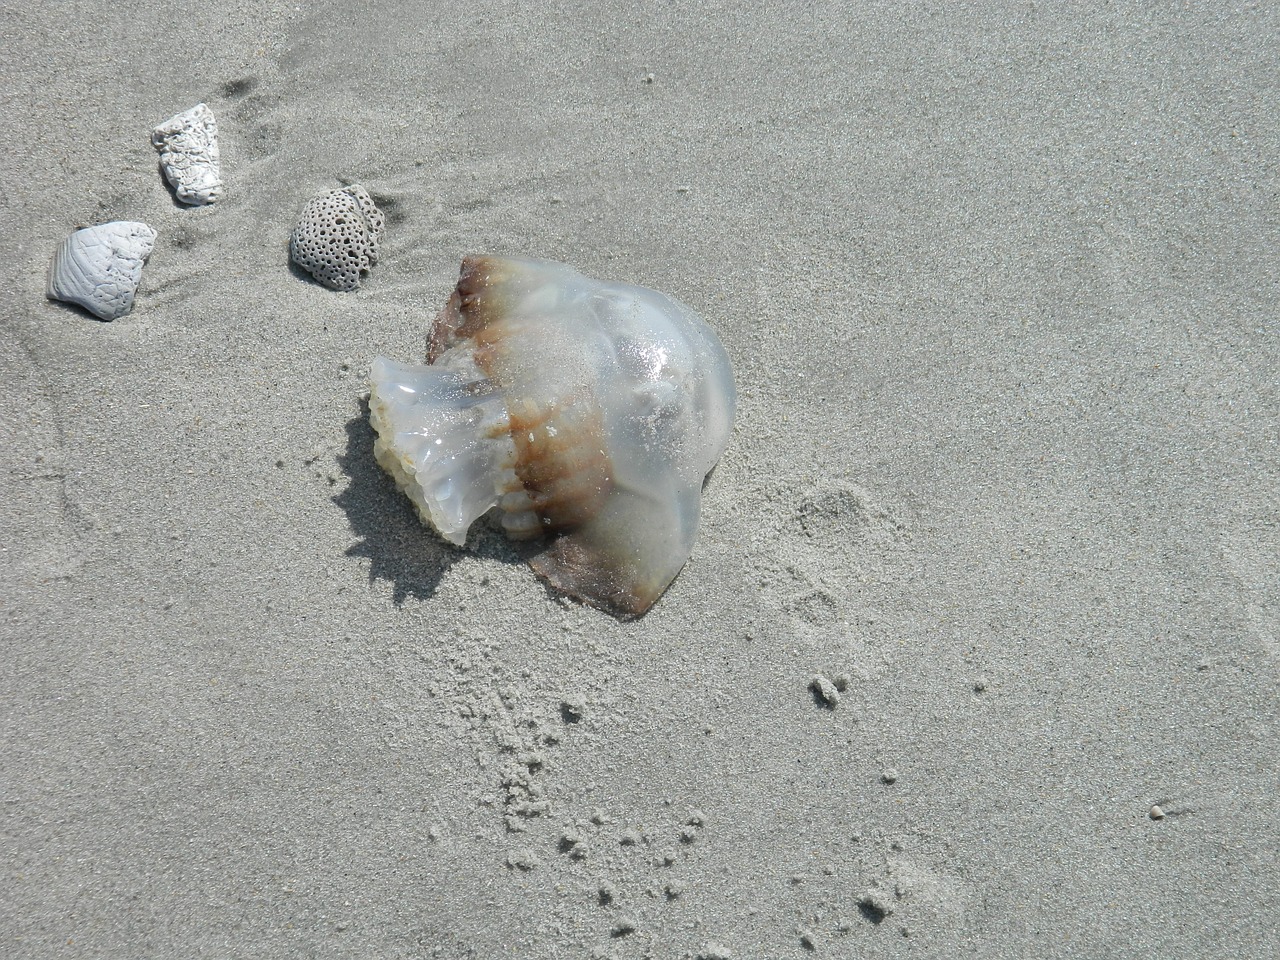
{"x":908,"y":891}
{"x":46,"y":537}
{"x":839,"y":511}
{"x":837,"y":541}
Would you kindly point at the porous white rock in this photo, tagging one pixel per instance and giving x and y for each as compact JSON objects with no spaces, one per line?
{"x":336,"y":239}
{"x":188,"y":145}
{"x":99,"y":267}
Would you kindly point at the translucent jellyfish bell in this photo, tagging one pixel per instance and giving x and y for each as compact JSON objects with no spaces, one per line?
{"x":587,"y":412}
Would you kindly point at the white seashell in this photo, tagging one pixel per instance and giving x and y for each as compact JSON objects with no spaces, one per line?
{"x":188,"y":145}
{"x":336,"y":239}
{"x":99,"y":267}
{"x":586,"y":411}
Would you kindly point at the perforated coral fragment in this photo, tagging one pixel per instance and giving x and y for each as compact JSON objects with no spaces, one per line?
{"x":336,"y":239}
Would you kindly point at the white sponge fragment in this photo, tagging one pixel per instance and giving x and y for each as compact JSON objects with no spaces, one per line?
{"x":336,"y":239}
{"x":188,"y":145}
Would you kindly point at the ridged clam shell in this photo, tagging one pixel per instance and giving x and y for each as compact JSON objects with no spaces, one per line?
{"x":587,"y":412}
{"x":99,"y":267}
{"x":188,"y":145}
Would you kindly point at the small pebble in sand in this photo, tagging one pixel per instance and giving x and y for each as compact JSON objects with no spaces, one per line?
{"x":629,"y":837}
{"x":697,"y":819}
{"x":714,"y":951}
{"x":808,"y":940}
{"x":874,"y":907}
{"x":523,"y":859}
{"x":890,"y":775}
{"x":570,"y":840}
{"x":825,"y":691}
{"x":674,"y":889}
{"x":623,"y":926}
{"x":1156,"y":812}
{"x":606,"y":893}
{"x":688,"y":834}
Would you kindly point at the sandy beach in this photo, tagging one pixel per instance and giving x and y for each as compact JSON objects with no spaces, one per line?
{"x":977,"y":651}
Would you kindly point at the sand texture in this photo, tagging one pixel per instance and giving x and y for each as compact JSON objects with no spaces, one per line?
{"x":988,"y":571}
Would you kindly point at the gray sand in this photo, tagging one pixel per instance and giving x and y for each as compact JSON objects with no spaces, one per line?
{"x":999,"y":285}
